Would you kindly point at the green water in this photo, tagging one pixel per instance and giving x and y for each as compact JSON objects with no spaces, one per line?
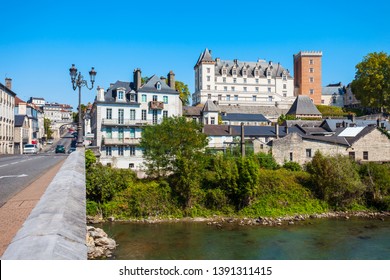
{"x":314,"y":239}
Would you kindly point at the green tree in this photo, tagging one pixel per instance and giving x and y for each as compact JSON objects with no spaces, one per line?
{"x":372,"y":81}
{"x":184,"y":92}
{"x":167,"y":143}
{"x":48,"y":130}
{"x":335,"y":180}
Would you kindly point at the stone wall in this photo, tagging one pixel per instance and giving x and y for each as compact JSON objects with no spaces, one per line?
{"x":56,"y":228}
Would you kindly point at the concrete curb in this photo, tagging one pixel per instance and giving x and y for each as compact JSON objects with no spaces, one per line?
{"x":56,"y":227}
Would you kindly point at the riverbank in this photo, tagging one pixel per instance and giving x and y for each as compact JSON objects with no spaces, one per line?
{"x":244,"y":221}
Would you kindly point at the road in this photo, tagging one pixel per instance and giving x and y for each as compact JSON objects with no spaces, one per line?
{"x":18,"y":171}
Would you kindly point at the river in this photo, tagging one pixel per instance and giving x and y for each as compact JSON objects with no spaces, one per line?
{"x":317,"y":239}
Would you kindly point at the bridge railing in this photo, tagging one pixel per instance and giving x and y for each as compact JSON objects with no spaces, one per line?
{"x":56,"y":227}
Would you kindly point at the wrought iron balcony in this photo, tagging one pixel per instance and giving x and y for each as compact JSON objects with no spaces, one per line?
{"x":120,"y":141}
{"x":120,"y":122}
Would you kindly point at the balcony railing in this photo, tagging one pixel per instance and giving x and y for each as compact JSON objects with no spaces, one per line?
{"x":156,"y":105}
{"x":116,"y":122}
{"x":121,"y":141}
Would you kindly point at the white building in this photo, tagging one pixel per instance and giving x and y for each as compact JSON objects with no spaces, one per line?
{"x":7,"y":117}
{"x":234,"y":82}
{"x":333,"y":95}
{"x":119,"y":114}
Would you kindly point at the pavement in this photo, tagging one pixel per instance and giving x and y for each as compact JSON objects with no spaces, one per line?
{"x":14,"y":213}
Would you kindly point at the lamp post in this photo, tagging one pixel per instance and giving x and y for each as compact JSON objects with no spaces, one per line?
{"x":78,"y":82}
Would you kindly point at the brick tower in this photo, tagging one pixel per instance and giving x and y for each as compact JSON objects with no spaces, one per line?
{"x":307,"y":75}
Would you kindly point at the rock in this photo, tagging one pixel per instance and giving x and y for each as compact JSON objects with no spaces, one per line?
{"x":99,"y":244}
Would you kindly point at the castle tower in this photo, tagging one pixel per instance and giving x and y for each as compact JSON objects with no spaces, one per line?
{"x":204,"y":77}
{"x":308,"y":75}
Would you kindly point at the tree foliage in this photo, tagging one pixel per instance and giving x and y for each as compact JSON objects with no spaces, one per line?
{"x":372,"y":81}
{"x":184,"y":92}
{"x":335,"y":180}
{"x":47,"y":127}
{"x":170,"y":142}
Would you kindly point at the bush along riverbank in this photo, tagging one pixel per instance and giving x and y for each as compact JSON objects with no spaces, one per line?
{"x":253,"y":189}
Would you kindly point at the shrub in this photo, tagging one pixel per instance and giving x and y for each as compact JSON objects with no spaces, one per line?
{"x":293,"y":166}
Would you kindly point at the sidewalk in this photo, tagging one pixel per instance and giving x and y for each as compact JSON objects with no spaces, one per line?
{"x":18,"y":208}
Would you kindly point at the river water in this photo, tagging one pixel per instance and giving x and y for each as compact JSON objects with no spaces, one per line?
{"x":320,"y":239}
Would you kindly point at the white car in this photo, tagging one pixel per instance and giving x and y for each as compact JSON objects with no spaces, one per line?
{"x":30,"y":149}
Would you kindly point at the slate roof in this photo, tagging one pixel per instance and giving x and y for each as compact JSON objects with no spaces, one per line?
{"x":264,"y":110}
{"x":333,"y":124}
{"x":19,"y":120}
{"x":111,"y":93}
{"x":192,"y":111}
{"x":4,"y":88}
{"x":205,"y":56}
{"x":151,"y":86}
{"x":210,"y":106}
{"x":303,"y":106}
{"x":249,"y":131}
{"x":331,"y":89}
{"x":244,"y":117}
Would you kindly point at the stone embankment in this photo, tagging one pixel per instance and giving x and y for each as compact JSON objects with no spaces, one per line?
{"x":100,"y":246}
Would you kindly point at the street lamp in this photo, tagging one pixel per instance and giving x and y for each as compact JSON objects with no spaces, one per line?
{"x":78,"y":82}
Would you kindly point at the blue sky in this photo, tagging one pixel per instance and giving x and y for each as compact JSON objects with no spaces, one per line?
{"x":41,"y":39}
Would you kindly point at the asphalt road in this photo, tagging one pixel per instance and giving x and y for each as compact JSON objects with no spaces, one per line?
{"x":18,"y":171}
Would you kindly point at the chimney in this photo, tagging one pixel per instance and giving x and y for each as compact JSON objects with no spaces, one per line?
{"x":8,"y":83}
{"x":100,"y":94}
{"x":277,"y":130}
{"x":171,"y":80}
{"x":137,"y":78}
{"x":242,"y":140}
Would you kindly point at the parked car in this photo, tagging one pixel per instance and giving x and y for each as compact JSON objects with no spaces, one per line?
{"x":30,"y":149}
{"x":60,"y":149}
{"x":50,"y":141}
{"x":71,"y":150}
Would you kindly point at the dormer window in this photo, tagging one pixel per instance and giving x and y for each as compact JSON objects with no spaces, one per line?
{"x":256,"y":73}
{"x":244,"y":72}
{"x":120,"y":94}
{"x":158,"y":85}
{"x":224,"y":71}
{"x":234,"y":72}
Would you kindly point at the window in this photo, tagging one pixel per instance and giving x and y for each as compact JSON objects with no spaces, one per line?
{"x":224,"y":72}
{"x":208,"y":69}
{"x":245,"y":80}
{"x":269,"y":81}
{"x":165,"y":99}
{"x":245,"y":89}
{"x":208,"y":87}
{"x":143,"y":97}
{"x":132,"y":114}
{"x":233,"y":89}
{"x":284,"y":78}
{"x":219,"y":97}
{"x":212,"y":120}
{"x":257,"y":81}
{"x":284,"y":86}
{"x":270,"y":98}
{"x":257,"y":74}
{"x":254,"y":98}
{"x":311,"y":91}
{"x":284,"y":94}
{"x":234,"y":80}
{"x":311,"y":70}
{"x":291,"y":156}
{"x":109,"y":114}
{"x":268,"y":73}
{"x":311,"y":61}
{"x":352,"y":155}
{"x":158,"y":86}
{"x":120,"y":95}
{"x":208,"y":78}
{"x":365,"y":155}
{"x":120,"y":151}
{"x":109,"y":132}
{"x":132,"y":150}
{"x":165,"y":114}
{"x":257,"y":89}
{"x":143,"y":115}
{"x":244,"y":72}
{"x":154,"y":97}
{"x":308,"y":153}
{"x":269,"y":90}
{"x":120,"y":133}
{"x":120,"y":116}
{"x":224,"y":79}
{"x":131,"y":165}
{"x":311,"y":79}
{"x":132,"y":132}
{"x":215,"y":88}
{"x":234,"y":72}
{"x":235,"y":97}
{"x":228,"y":97}
{"x":154,"y":117}
{"x":209,"y":96}
{"x":225,"y":88}
{"x":108,"y":151}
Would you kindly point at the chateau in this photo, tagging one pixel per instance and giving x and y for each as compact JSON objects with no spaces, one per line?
{"x":234,"y":82}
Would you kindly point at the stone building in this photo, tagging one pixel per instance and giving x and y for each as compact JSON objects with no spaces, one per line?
{"x":22,"y":133}
{"x":7,"y":117}
{"x":333,"y":95}
{"x":359,"y":143}
{"x":234,"y":82}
